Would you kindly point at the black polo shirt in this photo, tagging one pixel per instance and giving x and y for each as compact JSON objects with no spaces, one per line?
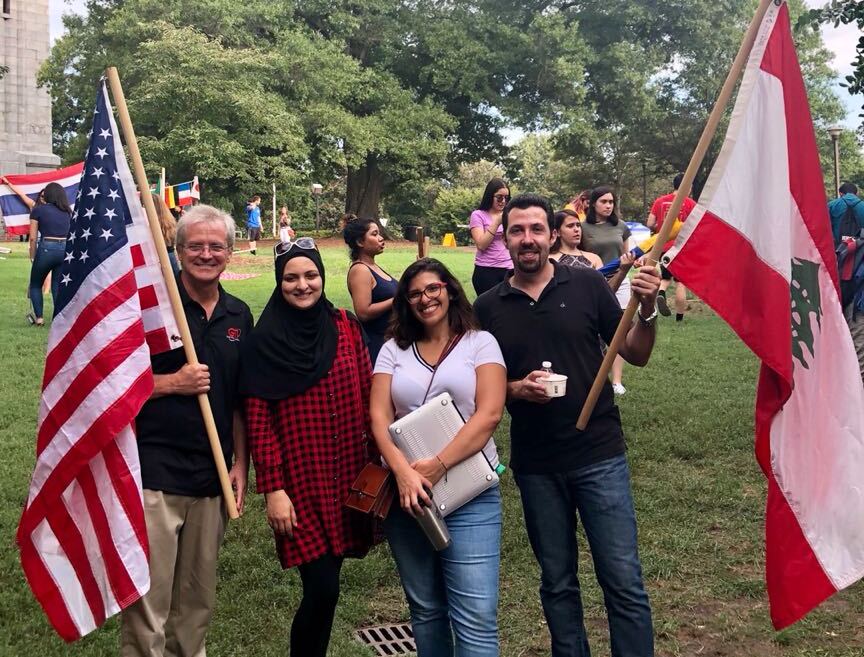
{"x":564,"y":326}
{"x":172,"y":441}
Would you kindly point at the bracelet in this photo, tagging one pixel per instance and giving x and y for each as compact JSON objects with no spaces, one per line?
{"x":647,"y":321}
{"x":438,"y":458}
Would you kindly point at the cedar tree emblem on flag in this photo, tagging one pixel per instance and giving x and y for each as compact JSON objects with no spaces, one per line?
{"x":758,"y":249}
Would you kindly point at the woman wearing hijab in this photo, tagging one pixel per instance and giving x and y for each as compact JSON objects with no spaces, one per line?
{"x":306,"y":378}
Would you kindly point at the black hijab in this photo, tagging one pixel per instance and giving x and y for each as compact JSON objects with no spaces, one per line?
{"x":290,"y":349}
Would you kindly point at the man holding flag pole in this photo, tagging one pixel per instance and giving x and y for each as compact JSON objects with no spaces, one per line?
{"x":86,"y":535}
{"x":764,"y":208}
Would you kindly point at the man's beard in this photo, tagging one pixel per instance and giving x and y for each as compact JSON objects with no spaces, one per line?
{"x":529,"y":267}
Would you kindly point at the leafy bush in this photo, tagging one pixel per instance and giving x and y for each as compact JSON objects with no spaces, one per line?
{"x":453,"y":207}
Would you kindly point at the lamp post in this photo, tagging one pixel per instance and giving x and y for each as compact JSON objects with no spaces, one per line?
{"x":316,"y":190}
{"x":835,"y":131}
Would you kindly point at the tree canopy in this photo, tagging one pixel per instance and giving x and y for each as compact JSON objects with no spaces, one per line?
{"x":382,"y":101}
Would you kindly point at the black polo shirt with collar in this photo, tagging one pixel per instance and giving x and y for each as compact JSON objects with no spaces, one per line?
{"x":172,"y":441}
{"x":564,"y":326}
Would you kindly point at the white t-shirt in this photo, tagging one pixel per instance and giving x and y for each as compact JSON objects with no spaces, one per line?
{"x":457,"y":375}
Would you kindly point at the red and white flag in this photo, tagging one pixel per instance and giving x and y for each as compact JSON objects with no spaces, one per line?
{"x":82,"y":535}
{"x":758,"y":249}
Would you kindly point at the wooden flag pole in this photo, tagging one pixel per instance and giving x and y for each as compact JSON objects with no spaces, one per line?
{"x":170,"y":284}
{"x":683,"y":191}
{"x":421,"y":243}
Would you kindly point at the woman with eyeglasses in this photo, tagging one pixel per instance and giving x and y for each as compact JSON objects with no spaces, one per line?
{"x":608,"y":237}
{"x":306,"y":379}
{"x":371,"y":288}
{"x":492,"y":261}
{"x":453,"y":594}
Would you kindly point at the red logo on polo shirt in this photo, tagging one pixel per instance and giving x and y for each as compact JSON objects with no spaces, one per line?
{"x":233,"y":334}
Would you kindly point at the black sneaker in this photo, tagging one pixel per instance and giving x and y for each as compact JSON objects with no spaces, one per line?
{"x":663,"y":306}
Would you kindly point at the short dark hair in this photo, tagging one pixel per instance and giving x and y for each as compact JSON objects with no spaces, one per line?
{"x":254,"y":198}
{"x":525,"y":201}
{"x":56,"y":196}
{"x":597,"y":192}
{"x":676,"y":181}
{"x":491,"y":187}
{"x":354,"y":232}
{"x":848,"y":188}
{"x":405,"y":328}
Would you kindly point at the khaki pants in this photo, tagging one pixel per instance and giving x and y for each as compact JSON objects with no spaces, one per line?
{"x":172,"y":619}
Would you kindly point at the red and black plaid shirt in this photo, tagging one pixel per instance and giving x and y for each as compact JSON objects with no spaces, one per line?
{"x":313,"y":445}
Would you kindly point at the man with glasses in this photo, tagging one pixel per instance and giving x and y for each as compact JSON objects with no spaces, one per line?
{"x":183,"y":507}
{"x":548,"y":312}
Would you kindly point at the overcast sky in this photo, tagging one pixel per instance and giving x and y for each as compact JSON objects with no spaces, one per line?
{"x":841,"y":41}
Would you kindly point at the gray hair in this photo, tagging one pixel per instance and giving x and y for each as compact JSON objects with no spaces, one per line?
{"x":206,"y":214}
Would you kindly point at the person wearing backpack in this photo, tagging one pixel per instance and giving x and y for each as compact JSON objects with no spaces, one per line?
{"x":846,"y":212}
{"x":847,"y":220}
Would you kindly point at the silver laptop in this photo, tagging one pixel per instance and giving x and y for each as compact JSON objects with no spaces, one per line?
{"x":424,"y":432}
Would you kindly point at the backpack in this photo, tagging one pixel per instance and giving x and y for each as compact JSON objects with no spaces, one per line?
{"x":849,"y":224}
{"x":850,"y":267}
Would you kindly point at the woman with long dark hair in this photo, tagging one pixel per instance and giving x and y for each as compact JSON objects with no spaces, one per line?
{"x":608,"y":237}
{"x":50,"y":222}
{"x":436,"y":347}
{"x":371,"y":288}
{"x":567,"y":247}
{"x":492,"y":261}
{"x":306,"y":378}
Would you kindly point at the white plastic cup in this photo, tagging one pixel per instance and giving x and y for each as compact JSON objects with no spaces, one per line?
{"x":556,"y":385}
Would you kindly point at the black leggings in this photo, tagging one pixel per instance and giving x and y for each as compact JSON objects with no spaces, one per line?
{"x":485,"y":278}
{"x":310,"y":631}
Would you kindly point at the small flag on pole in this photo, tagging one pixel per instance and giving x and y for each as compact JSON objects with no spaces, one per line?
{"x":183,"y":193}
{"x":82,"y":536}
{"x":196,"y":189}
{"x":16,"y":215}
{"x":758,"y":249}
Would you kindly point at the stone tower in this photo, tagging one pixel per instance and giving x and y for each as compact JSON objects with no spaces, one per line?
{"x":25,"y":110}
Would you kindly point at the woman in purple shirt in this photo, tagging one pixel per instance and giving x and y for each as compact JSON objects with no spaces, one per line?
{"x":492,"y":261}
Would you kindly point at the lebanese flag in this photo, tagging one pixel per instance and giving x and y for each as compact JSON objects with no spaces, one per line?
{"x":758,"y":249}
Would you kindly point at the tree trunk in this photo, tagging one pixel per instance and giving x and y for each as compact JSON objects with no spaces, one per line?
{"x":365,"y":185}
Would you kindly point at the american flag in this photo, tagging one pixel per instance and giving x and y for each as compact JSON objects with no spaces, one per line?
{"x":82,"y":535}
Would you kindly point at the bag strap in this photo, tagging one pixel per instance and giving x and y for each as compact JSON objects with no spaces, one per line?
{"x":447,"y":350}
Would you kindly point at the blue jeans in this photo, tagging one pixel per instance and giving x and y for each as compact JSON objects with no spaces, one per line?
{"x":456,"y":588}
{"x":49,"y":257}
{"x":601,"y":494}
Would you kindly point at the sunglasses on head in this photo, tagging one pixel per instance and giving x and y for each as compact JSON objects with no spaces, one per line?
{"x":305,"y":243}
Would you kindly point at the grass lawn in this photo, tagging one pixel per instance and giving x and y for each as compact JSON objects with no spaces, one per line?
{"x":698,"y":491}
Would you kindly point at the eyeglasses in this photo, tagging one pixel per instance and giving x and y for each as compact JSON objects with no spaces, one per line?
{"x":431,"y":291}
{"x":196,"y":248}
{"x":502,"y":198}
{"x":305,"y":243}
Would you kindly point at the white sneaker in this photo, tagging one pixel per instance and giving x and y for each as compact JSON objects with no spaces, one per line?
{"x":618,"y":389}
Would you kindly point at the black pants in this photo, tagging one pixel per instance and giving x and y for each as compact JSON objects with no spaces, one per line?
{"x":310,"y":631}
{"x":485,"y":278}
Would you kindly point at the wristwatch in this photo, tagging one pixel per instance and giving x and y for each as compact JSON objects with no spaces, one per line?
{"x":647,"y":321}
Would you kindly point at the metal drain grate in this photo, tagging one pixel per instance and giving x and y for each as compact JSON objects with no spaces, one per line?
{"x":387,"y":640}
